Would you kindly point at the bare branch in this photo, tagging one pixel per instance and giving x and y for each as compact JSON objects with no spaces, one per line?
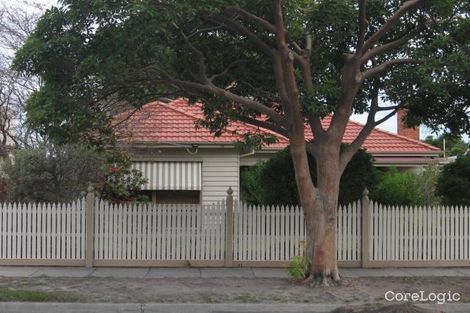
{"x":351,"y":149}
{"x":392,"y":44}
{"x":315,"y":125}
{"x":371,"y":123}
{"x":405,"y":7}
{"x":308,"y":44}
{"x":238,"y":100}
{"x":266,"y":125}
{"x":362,"y":26}
{"x":388,"y":108}
{"x":242,"y":30}
{"x":386,"y":65}
{"x":201,"y":61}
{"x":204,"y":30}
{"x":386,"y":117}
{"x":227,"y":69}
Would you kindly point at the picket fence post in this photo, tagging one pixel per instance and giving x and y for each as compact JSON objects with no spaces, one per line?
{"x":89,"y":222}
{"x":228,"y":260}
{"x":366,"y":231}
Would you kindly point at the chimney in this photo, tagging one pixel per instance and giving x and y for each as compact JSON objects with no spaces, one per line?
{"x":412,"y":133}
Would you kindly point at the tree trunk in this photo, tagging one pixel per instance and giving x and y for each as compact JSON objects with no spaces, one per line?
{"x":324,"y":218}
{"x":320,"y":209}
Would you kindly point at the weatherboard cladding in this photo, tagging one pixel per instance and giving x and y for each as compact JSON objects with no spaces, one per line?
{"x":219,"y":169}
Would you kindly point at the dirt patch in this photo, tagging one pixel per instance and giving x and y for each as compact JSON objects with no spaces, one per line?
{"x":235,"y":290}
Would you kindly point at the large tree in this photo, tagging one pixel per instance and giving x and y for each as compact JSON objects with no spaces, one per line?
{"x":16,"y":25}
{"x":279,"y":65}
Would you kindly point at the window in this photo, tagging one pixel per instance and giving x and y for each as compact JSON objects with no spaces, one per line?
{"x":172,"y":196}
{"x":178,"y":196}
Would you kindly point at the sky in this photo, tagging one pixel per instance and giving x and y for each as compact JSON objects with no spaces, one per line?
{"x":390,"y":125}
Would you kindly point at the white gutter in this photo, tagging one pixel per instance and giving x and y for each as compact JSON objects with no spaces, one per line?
{"x":252,"y":152}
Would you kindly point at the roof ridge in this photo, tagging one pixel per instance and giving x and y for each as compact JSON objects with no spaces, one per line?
{"x":398,"y":136}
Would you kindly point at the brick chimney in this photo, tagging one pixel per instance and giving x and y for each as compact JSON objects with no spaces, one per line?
{"x":412,"y":133}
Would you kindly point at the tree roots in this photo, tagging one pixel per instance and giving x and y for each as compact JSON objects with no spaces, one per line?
{"x":323,"y":279}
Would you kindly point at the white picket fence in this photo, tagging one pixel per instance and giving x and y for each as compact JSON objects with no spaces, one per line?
{"x":277,"y":233}
{"x":419,"y":233}
{"x":271,"y":233}
{"x":204,"y":235}
{"x":42,"y":231}
{"x":159,"y":232}
{"x":349,"y":232}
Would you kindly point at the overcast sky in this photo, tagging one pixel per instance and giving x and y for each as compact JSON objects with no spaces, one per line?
{"x":389,"y":125}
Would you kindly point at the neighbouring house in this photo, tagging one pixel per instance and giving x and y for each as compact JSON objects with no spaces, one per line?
{"x":188,"y":164}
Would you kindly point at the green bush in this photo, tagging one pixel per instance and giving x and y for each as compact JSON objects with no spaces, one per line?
{"x":454,"y":182}
{"x":405,"y":188}
{"x":298,"y":268}
{"x":122,"y":183}
{"x":52,"y":173}
{"x":428,"y":185}
{"x":63,"y":173}
{"x":273,"y":181}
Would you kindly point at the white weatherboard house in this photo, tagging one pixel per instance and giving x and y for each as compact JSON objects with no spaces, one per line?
{"x":188,"y":164}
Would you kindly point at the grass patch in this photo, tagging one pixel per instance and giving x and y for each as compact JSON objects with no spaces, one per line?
{"x":24,"y":295}
{"x":209,"y":299}
{"x":246,"y":298}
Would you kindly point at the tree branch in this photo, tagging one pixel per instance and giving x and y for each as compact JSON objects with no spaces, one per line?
{"x":252,"y":18}
{"x":362,"y":26}
{"x":227,"y":69}
{"x":392,"y":107}
{"x":201,"y":61}
{"x":405,"y":7}
{"x":315,"y":125}
{"x":242,"y":30}
{"x":238,"y":100}
{"x":203,"y":30}
{"x":371,"y":123}
{"x":391,"y":45}
{"x":266,"y":125}
{"x":385,"y":65}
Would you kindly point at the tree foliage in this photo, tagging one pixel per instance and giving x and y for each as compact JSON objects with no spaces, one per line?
{"x":454,"y":145}
{"x":406,"y":188}
{"x":96,"y":57}
{"x":454,"y":182}
{"x":16,"y":25}
{"x":273,"y":182}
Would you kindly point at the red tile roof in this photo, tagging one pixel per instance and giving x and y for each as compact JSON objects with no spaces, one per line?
{"x":174,"y":123}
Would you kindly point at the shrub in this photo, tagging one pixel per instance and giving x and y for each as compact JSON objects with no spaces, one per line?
{"x":62,"y":173}
{"x":52,"y":173}
{"x":454,"y":182}
{"x":298,"y":269}
{"x":428,"y":185}
{"x":398,"y":188}
{"x":273,"y":181}
{"x":122,"y":183}
{"x":3,"y":189}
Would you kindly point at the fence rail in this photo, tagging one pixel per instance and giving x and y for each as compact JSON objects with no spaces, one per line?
{"x":90,"y":232}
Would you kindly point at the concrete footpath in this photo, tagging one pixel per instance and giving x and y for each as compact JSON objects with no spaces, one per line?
{"x":195,"y":308}
{"x":246,"y":272}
